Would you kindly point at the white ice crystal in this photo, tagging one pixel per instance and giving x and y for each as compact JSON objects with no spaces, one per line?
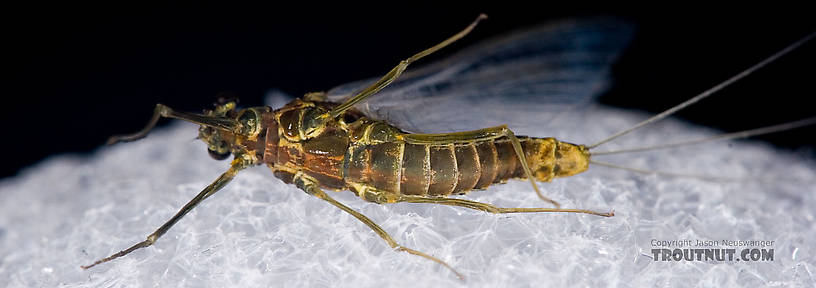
{"x":257,"y":232}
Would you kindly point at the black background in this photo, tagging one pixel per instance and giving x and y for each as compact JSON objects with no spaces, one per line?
{"x":79,"y":74}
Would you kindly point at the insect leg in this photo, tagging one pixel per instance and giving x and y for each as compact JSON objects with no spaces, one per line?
{"x":237,"y":164}
{"x":489,"y":207}
{"x":167,"y":112}
{"x":480,"y":135}
{"x":396,"y":71}
{"x":311,"y":187}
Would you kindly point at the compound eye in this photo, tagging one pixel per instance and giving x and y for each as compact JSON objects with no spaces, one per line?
{"x":250,"y":122}
{"x":218,"y":155}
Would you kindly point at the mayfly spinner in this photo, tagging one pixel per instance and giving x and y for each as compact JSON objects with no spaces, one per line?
{"x":321,"y":142}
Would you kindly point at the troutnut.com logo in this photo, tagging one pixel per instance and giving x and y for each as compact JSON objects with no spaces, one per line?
{"x":712,"y":250}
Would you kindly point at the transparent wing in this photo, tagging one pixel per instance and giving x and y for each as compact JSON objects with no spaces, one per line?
{"x":524,"y":79}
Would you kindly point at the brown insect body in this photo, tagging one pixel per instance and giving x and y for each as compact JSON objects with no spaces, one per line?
{"x":367,"y":157}
{"x":315,"y":144}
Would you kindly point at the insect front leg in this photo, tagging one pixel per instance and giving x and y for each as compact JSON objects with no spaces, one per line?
{"x":160,"y":111}
{"x":167,"y":112}
{"x":311,"y":187}
{"x":237,"y":164}
{"x":479,"y":135}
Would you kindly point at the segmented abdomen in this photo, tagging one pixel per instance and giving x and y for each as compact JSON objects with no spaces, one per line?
{"x":438,"y":170}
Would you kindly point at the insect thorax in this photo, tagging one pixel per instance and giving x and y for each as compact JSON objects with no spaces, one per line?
{"x":320,"y":155}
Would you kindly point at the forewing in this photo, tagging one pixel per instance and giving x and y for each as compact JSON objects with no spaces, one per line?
{"x":524,"y":79}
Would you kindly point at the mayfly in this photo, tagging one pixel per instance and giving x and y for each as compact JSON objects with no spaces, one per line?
{"x":341,"y":140}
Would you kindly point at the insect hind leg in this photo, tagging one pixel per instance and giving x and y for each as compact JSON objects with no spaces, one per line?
{"x":484,"y":134}
{"x":490,"y":208}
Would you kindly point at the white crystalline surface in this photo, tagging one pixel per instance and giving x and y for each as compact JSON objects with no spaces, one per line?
{"x":257,"y":232}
